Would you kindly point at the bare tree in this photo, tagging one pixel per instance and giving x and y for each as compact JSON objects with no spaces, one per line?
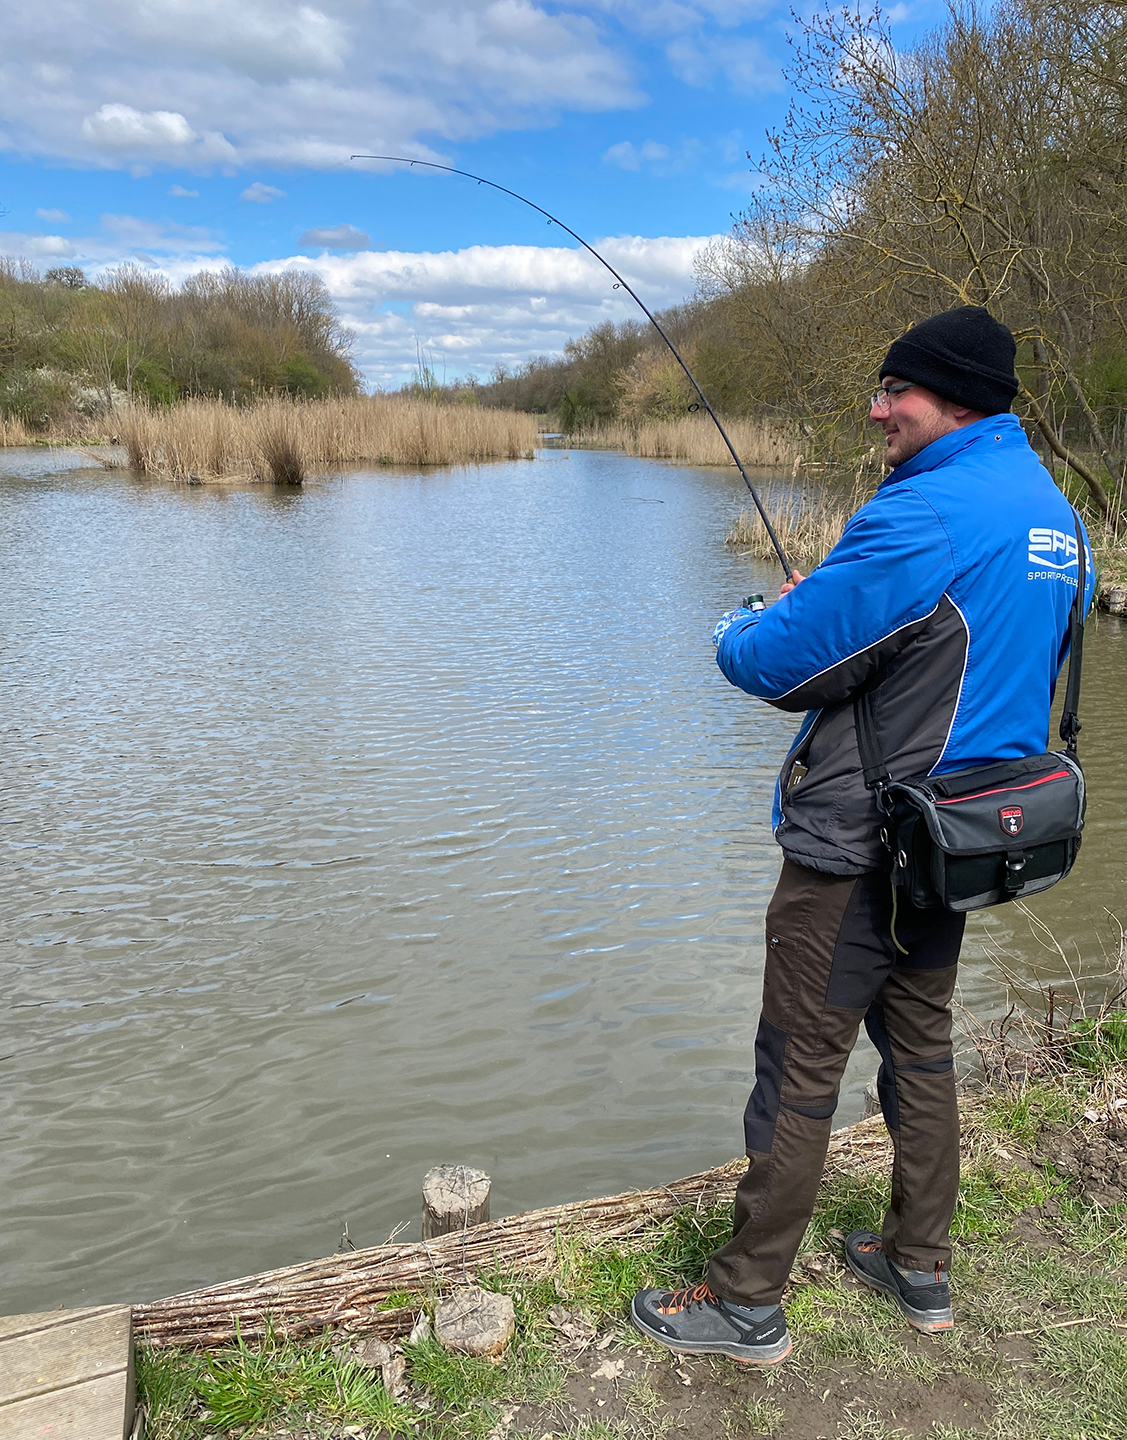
{"x":986,"y":166}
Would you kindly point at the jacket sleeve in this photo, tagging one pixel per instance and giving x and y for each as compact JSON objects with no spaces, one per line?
{"x":866,"y":601}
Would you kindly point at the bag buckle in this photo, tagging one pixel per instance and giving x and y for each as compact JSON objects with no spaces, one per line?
{"x":1013,"y":880}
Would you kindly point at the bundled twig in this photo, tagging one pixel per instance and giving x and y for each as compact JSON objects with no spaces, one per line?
{"x":347,"y":1291}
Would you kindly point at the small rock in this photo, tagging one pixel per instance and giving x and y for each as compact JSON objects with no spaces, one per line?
{"x":572,"y":1324}
{"x":420,"y":1331}
{"x":372,"y":1352}
{"x":475,"y":1322}
{"x":394,"y":1375}
{"x":377,"y":1354}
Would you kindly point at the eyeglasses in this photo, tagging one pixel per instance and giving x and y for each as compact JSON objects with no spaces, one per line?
{"x":882,"y":399}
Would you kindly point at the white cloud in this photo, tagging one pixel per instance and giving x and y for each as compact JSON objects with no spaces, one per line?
{"x":35,"y":247}
{"x":120,"y":127}
{"x":260,"y":194}
{"x":206,"y":83}
{"x":53,"y":217}
{"x":131,"y":233}
{"x":339,"y":237}
{"x":488,"y":305}
{"x":743,"y":63}
{"x":182,"y":194}
{"x":673,"y":17}
{"x":628,"y":157}
{"x":656,"y":158}
{"x":120,"y":237}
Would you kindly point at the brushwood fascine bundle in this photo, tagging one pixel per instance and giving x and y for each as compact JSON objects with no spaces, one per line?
{"x":281,"y":440}
{"x":351,"y":1292}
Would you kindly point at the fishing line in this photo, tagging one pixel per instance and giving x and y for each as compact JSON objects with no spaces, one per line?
{"x":620,"y":284}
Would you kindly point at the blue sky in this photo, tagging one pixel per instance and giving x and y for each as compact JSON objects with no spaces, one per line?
{"x":183,"y":134}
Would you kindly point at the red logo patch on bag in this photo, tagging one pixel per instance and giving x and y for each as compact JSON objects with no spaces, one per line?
{"x":1011,"y":819}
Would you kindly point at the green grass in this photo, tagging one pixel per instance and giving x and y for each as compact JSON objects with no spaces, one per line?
{"x":1020,"y":1114}
{"x":756,"y":1416}
{"x":602,"y":1279}
{"x":1097,"y":1044}
{"x":278,"y":1381}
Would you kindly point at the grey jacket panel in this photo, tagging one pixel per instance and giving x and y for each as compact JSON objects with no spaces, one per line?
{"x":855,"y":673}
{"x":830,"y":821}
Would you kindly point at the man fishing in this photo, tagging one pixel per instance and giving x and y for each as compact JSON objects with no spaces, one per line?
{"x":944,"y":601}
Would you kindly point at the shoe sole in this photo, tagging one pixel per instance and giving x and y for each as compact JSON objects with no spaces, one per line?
{"x":918,"y":1319}
{"x":763,"y":1355}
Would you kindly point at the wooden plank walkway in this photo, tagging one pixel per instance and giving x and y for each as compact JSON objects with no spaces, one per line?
{"x":67,"y":1375}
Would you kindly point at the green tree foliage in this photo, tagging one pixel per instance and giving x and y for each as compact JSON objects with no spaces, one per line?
{"x":68,"y":344}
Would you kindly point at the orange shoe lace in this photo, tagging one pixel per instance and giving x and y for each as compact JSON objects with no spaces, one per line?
{"x":678,"y":1300}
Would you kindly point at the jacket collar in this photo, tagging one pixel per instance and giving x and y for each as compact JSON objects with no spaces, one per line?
{"x":1006,"y":428}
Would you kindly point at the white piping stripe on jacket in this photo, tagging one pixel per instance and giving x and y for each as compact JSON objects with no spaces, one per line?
{"x":959,"y":693}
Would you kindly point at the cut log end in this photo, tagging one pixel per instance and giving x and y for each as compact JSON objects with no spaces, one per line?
{"x":454,"y":1198}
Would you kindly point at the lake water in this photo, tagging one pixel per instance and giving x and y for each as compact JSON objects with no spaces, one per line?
{"x":397,"y":820}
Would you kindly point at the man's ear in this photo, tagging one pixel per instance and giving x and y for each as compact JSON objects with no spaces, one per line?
{"x":964,"y":415}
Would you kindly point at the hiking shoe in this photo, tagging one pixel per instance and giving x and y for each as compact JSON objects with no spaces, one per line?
{"x":923,"y":1297}
{"x":698,"y":1322}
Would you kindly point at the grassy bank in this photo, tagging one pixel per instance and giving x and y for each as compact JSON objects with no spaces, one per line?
{"x":1040,"y":1352}
{"x":283,"y":440}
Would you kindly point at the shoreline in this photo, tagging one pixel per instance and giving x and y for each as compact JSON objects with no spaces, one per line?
{"x":1040,"y":1350}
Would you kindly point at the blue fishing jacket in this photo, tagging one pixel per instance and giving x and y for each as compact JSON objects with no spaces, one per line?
{"x":948,"y":598}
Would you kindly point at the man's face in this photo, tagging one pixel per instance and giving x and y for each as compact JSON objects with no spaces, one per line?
{"x":915,"y":418}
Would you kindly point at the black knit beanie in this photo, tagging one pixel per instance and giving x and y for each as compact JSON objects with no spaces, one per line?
{"x":964,"y":355}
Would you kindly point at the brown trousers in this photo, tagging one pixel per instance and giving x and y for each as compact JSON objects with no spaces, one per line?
{"x":831,"y":963}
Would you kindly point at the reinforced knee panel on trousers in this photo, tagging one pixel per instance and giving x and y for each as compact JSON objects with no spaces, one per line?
{"x":762,"y":1111}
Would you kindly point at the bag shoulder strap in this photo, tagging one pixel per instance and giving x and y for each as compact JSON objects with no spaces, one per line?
{"x":873,"y":764}
{"x":1070,"y":719}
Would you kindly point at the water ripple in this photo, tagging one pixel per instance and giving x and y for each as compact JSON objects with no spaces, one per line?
{"x":401,"y":820}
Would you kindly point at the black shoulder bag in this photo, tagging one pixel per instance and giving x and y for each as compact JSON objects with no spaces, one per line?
{"x":995,"y":833}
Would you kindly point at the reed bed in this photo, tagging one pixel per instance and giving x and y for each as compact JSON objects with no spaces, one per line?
{"x":808,"y":522}
{"x":282,"y":441}
{"x":695,"y":439}
{"x":14,"y":432}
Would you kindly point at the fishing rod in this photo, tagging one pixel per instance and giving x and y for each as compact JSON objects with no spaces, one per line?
{"x":620,"y":284}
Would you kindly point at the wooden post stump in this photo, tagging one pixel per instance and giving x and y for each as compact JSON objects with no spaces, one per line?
{"x":870,"y":1105}
{"x":454,"y":1198}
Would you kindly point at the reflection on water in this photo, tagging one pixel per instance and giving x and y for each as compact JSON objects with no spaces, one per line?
{"x":399,"y":820}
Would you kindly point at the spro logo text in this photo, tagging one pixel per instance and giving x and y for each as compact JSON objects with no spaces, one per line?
{"x":1052,"y":549}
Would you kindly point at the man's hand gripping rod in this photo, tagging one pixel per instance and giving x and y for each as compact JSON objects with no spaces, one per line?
{"x":620,"y":283}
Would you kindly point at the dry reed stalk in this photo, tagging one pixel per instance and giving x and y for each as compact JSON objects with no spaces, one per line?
{"x":807,"y":536}
{"x":14,"y":432}
{"x":284,"y":440}
{"x":696,"y":440}
{"x":346,"y":1291}
{"x":808,"y":523}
